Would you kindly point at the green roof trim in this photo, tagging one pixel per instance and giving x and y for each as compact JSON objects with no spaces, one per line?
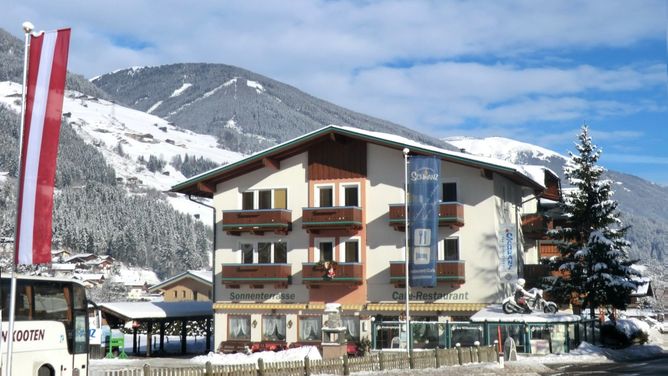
{"x":246,"y":225}
{"x":235,"y":279}
{"x":332,"y":223}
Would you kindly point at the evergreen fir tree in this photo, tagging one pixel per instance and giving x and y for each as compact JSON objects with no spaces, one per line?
{"x":594,"y":252}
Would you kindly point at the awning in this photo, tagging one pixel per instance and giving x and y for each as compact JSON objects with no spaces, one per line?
{"x":427,"y":307}
{"x":261,"y":306}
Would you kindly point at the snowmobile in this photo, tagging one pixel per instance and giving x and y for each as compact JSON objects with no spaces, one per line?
{"x":537,"y":303}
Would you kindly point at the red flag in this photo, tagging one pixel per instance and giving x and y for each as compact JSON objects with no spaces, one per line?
{"x":45,"y":86}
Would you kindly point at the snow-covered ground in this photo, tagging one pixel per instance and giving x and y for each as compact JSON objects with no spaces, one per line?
{"x":108,"y":125}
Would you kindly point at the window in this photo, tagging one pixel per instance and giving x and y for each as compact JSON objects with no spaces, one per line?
{"x":247,"y":200}
{"x":239,"y":328}
{"x":351,"y":195}
{"x":325,"y":196}
{"x":273,"y":328}
{"x":451,"y":249}
{"x":352,"y":324}
{"x":280,"y":198}
{"x":281,"y":253}
{"x":176,"y":294}
{"x":310,"y":328}
{"x":449,"y":192}
{"x":264,"y":199}
{"x":264,"y":253}
{"x":246,"y":253}
{"x":352,"y":250}
{"x":324,"y":251}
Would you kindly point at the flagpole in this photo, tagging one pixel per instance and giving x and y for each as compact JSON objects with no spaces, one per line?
{"x":407,"y":254}
{"x":27,"y":29}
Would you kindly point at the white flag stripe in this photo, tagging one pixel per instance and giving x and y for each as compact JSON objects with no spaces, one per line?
{"x":34,"y":148}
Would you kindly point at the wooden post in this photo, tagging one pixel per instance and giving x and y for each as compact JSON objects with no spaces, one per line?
{"x":346,"y":368}
{"x":208,"y":336}
{"x":381,"y":361}
{"x":307,"y":366}
{"x":135,"y":348}
{"x":460,"y":358}
{"x":209,"y":369}
{"x":147,"y":370}
{"x":438,"y":361}
{"x":260,"y":367}
{"x":183,"y":336}
{"x":149,"y":334}
{"x":162,"y":336}
{"x":411,"y":359}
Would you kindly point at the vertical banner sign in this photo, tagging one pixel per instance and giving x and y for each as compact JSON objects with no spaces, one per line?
{"x":45,"y":86}
{"x":424,"y":195}
{"x":507,"y":249}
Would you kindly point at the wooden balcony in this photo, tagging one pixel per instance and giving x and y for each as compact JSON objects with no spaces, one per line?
{"x":332,"y":218}
{"x":344,"y":273}
{"x":534,"y":273}
{"x":535,"y":226}
{"x":279,"y":275}
{"x":450,"y":214}
{"x":258,"y":222}
{"x":446,"y":272}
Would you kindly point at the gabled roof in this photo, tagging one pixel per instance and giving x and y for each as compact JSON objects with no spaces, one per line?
{"x":202,"y":276}
{"x":202,"y":184}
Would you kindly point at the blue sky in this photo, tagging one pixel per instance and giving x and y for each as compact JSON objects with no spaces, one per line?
{"x":529,"y":70}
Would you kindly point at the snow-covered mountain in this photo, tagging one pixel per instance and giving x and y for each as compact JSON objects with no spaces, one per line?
{"x":244,"y":110}
{"x":510,"y":150}
{"x":123,"y":135}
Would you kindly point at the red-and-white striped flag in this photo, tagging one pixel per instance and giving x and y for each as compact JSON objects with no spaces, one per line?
{"x":45,"y":86}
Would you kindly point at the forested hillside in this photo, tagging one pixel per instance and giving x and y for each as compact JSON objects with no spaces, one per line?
{"x":92,"y":214}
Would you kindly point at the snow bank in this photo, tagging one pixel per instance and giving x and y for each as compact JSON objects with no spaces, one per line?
{"x":268,"y":356}
{"x":588,"y":353}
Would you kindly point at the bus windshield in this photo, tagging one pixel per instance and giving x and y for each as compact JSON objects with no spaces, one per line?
{"x":51,"y":300}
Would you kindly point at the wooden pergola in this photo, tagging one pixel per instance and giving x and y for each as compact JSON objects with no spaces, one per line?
{"x":161,"y":313}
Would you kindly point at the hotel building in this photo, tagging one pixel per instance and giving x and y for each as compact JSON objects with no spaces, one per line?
{"x":320,"y":219}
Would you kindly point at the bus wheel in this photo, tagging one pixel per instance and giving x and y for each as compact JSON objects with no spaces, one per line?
{"x":45,"y":371}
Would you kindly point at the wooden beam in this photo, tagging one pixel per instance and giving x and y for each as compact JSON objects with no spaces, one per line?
{"x":271,"y":163}
{"x":206,"y":188}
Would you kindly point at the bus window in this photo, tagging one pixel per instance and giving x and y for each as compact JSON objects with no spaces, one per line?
{"x":80,"y":320}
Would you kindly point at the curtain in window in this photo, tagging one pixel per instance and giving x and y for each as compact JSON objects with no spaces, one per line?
{"x":239,"y":327}
{"x":273,"y":328}
{"x":352,"y":325}
{"x":310,"y":328}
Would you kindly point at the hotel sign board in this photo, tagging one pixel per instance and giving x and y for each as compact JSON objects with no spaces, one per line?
{"x":423,"y":192}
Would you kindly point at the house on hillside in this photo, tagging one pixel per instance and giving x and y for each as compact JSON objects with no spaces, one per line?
{"x":137,"y":282}
{"x":189,"y":285}
{"x":320,"y":219}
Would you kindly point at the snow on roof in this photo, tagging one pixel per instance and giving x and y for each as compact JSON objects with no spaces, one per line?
{"x":643,"y":288}
{"x":385,"y":137}
{"x":78,"y":256}
{"x":158,"y":310}
{"x":58,"y":266}
{"x":135,"y":277}
{"x":89,"y":276}
{"x":205,"y":276}
{"x":496,"y":314}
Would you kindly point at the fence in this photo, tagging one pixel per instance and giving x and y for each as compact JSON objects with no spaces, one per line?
{"x":381,"y":361}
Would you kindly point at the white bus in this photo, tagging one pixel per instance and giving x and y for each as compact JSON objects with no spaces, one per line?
{"x":50,"y":330}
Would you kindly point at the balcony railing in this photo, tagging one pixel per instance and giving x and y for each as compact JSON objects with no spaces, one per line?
{"x":446,"y":272}
{"x":332,"y":218}
{"x":449,"y":214}
{"x":535,"y":225}
{"x":534,"y":273}
{"x":257,"y":274}
{"x":344,"y":273}
{"x":257,"y":221}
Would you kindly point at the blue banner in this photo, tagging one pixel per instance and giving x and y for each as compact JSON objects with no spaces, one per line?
{"x":423,"y":207}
